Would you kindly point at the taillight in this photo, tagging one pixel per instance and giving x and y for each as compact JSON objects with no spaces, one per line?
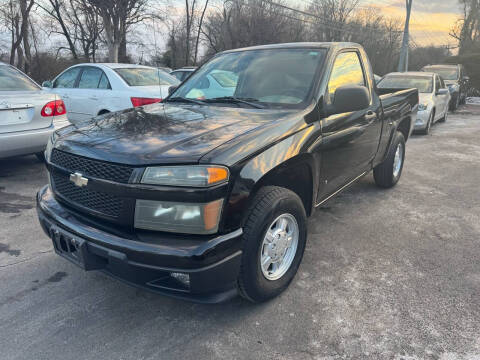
{"x":54,"y":108}
{"x":140,"y":101}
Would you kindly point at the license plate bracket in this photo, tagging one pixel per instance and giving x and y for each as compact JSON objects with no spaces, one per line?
{"x":75,"y":249}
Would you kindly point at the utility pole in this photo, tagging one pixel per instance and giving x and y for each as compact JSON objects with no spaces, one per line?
{"x":403,"y":63}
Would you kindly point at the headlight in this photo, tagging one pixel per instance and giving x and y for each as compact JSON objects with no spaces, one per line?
{"x":187,"y":218}
{"x":193,"y":176}
{"x":422,"y":107}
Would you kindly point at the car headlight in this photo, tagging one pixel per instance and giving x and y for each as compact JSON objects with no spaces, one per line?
{"x":187,"y":218}
{"x":422,"y":107}
{"x":192,"y":176}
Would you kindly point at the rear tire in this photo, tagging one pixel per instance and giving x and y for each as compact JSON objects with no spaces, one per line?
{"x":388,"y":173}
{"x":263,"y":236}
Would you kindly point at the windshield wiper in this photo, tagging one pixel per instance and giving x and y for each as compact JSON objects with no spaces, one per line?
{"x":183,"y":99}
{"x":230,"y":99}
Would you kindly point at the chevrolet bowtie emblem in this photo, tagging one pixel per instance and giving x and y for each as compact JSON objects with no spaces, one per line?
{"x":78,"y":179}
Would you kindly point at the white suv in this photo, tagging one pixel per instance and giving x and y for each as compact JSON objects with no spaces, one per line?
{"x":94,"y":89}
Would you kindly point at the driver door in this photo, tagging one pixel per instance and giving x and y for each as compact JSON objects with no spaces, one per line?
{"x":350,"y":140}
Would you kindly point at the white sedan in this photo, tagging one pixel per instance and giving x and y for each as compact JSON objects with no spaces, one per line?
{"x":89,"y":89}
{"x":28,"y":115}
{"x":433,"y":93}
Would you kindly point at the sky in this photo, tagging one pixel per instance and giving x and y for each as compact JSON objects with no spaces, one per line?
{"x":431,"y":20}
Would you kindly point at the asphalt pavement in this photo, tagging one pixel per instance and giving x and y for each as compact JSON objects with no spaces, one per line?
{"x":387,"y":274}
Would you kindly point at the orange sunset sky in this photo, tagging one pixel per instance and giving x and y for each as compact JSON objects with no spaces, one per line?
{"x":431,"y":20}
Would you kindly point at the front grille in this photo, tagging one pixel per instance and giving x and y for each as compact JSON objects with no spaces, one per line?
{"x":100,"y":202}
{"x":90,"y":167}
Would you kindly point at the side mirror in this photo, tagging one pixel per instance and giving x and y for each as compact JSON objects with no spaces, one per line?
{"x":466,"y":78}
{"x":171,"y":89}
{"x":350,"y":99}
{"x":47,"y":84}
{"x":442,"y":91}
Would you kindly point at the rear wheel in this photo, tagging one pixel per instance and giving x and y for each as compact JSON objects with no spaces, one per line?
{"x":274,"y":239}
{"x":388,"y":173}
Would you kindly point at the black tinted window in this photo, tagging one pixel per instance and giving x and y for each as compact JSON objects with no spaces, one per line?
{"x":347,"y":70}
{"x":67,"y":79}
{"x":90,"y":78}
{"x":13,"y":80}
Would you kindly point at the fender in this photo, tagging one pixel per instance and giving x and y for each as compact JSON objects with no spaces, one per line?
{"x":266,"y":168}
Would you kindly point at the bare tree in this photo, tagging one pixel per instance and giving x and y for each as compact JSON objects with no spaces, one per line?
{"x":57,"y":10}
{"x":118,"y":16}
{"x":467,"y":30}
{"x":16,"y":18}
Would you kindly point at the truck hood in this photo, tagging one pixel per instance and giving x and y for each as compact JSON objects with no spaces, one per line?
{"x":162,"y":133}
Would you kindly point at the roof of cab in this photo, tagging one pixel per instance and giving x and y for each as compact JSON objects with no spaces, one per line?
{"x":441,"y":66}
{"x":412,"y":73}
{"x":299,"y":45}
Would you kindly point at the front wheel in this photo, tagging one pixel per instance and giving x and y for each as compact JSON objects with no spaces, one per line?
{"x":388,"y":173}
{"x":274,"y":239}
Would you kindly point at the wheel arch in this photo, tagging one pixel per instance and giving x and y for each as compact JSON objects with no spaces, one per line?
{"x":296,"y":174}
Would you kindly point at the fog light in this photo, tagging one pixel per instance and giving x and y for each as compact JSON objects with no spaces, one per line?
{"x":183,"y":278}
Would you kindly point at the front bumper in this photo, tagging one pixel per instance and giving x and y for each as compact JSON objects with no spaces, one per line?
{"x":212,"y":264}
{"x":422,"y":119}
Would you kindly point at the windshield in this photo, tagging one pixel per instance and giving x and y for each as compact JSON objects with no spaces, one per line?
{"x":422,"y":83}
{"x":146,"y":77}
{"x":13,"y":80}
{"x":447,"y":73}
{"x":271,"y":77}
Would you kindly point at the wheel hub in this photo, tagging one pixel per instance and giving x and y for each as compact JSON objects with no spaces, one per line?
{"x":279,"y":247}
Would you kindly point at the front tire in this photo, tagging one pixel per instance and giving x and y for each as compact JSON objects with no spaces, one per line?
{"x":274,"y":239}
{"x":445,"y":117}
{"x":388,"y":173}
{"x":426,"y":131}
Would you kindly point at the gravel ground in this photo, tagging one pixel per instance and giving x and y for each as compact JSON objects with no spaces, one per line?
{"x":386,"y":275}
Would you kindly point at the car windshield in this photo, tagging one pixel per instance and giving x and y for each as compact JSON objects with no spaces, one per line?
{"x":424,"y":84}
{"x":146,"y":77}
{"x":270,"y":77}
{"x":447,"y":73}
{"x":13,"y":80}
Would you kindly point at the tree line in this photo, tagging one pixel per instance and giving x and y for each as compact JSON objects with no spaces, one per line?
{"x":42,"y":37}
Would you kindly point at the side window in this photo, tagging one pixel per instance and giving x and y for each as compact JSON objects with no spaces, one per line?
{"x":90,"y":78}
{"x":347,"y":70}
{"x":104,"y":83}
{"x":67,"y":79}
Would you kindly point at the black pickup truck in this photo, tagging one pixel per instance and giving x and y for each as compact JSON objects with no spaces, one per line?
{"x":206,"y":195}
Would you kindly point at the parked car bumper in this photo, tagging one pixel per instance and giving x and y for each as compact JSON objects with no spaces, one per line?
{"x":199,"y":270}
{"x":422,"y":119}
{"x":28,"y":142}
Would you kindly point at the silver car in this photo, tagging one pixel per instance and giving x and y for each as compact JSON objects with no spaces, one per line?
{"x":433,"y":93}
{"x":28,"y":114}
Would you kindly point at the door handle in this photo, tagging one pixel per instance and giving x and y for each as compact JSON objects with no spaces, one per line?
{"x":93,"y":98}
{"x":65,"y":96}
